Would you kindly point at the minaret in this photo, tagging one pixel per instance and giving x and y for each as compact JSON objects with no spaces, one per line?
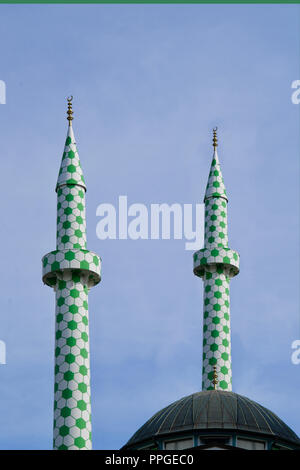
{"x":216,"y":264}
{"x":71,"y":270}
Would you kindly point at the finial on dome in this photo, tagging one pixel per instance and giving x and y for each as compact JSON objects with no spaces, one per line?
{"x":70,"y":111}
{"x":215,"y":377}
{"x":215,"y":139}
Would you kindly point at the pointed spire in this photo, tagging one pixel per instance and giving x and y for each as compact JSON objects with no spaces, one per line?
{"x":215,"y":185}
{"x":70,"y":172}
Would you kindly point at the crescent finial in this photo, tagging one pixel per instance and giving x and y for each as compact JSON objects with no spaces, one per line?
{"x":215,"y":139}
{"x":70,"y":110}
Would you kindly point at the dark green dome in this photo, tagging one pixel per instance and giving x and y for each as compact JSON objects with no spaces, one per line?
{"x":214,"y":410}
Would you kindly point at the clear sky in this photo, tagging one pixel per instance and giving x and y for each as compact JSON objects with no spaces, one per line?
{"x":149,"y":83}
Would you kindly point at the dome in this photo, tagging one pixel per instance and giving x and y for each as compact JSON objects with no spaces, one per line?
{"x":214,"y":410}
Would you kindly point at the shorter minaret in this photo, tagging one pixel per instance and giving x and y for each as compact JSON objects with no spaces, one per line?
{"x":216,"y":264}
{"x":71,"y":270}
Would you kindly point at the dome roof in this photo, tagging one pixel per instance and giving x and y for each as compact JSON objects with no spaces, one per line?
{"x":214,"y":409}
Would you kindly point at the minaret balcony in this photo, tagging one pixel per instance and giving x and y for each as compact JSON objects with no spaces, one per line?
{"x":81,"y":260}
{"x":208,"y":259}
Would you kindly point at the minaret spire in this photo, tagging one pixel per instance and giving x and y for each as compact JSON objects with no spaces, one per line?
{"x":216,"y":264}
{"x":71,"y":270}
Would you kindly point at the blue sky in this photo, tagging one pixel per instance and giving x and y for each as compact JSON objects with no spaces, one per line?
{"x":149,"y":83}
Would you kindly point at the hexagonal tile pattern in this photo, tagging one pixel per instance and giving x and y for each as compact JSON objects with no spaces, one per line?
{"x":215,"y":184}
{"x":71,"y":270}
{"x":71,"y":225}
{"x":216,"y":264}
{"x":227,"y":258}
{"x":70,"y":172}
{"x":72,"y":405}
{"x":216,"y":331}
{"x":215,"y":233}
{"x":57,"y":260}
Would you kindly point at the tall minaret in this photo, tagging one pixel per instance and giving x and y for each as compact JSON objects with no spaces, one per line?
{"x":216,"y":264}
{"x":71,"y":270}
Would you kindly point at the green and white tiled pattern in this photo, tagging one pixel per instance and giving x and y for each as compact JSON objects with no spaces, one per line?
{"x":215,"y":185}
{"x":216,"y":264}
{"x":216,"y":330}
{"x":59,"y":260}
{"x":71,"y":270}
{"x":70,"y":169}
{"x":72,"y":402}
{"x":215,"y":222}
{"x":71,"y":225}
